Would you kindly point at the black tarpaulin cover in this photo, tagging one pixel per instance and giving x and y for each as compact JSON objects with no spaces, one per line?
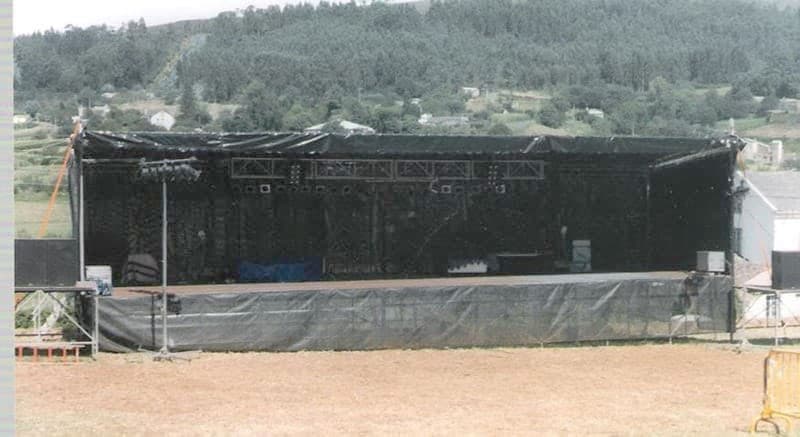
{"x":505,"y":312}
{"x":107,"y":144}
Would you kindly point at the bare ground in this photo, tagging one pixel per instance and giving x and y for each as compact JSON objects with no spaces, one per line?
{"x":625,"y":390}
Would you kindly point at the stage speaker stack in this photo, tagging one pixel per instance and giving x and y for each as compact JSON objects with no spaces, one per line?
{"x":785,"y":270}
{"x":46,"y":262}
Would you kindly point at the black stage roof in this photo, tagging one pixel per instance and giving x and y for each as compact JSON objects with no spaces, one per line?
{"x":99,"y":145}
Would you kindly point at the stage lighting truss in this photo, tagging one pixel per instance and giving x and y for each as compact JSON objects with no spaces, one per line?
{"x":385,"y":170}
{"x":176,"y":170}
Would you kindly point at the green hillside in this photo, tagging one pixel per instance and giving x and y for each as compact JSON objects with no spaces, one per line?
{"x":649,"y":67}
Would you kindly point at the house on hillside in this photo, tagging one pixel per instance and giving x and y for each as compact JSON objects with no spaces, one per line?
{"x":447,"y":121}
{"x":594,"y":112}
{"x":21,"y":118}
{"x":471,"y":92}
{"x":762,"y":153}
{"x":791,"y":106}
{"x":101,"y":110}
{"x":162,"y":119}
{"x":341,"y":126}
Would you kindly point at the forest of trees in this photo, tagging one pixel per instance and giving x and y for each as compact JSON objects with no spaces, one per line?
{"x":300,"y":64}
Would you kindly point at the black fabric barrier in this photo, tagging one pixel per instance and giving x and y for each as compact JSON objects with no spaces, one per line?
{"x":565,"y":308}
{"x":46,"y":262}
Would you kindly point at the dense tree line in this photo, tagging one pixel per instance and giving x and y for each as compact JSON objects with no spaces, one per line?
{"x":294,"y":65}
{"x":307,"y":51}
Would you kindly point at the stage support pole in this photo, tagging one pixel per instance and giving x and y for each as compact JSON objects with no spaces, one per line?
{"x":164,"y":348}
{"x":730,"y":257}
{"x":81,"y":236}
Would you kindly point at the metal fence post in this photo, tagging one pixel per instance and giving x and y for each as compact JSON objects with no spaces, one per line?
{"x":96,"y":332}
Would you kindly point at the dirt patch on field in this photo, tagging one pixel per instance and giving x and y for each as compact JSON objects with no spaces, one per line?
{"x":627,"y":390}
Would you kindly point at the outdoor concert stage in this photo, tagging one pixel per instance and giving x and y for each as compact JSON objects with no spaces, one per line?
{"x":292,"y":209}
{"x":417,"y":313}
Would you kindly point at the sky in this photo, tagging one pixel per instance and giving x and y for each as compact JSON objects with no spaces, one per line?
{"x":33,"y":15}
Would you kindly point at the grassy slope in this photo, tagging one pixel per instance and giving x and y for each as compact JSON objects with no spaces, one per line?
{"x":37,"y":159}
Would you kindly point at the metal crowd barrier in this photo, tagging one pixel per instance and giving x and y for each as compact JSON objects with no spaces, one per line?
{"x":781,"y":389}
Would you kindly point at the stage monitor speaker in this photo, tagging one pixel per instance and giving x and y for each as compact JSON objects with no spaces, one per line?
{"x":51,"y":262}
{"x":785,"y":270}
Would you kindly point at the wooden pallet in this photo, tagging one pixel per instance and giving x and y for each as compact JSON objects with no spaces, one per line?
{"x":50,"y":347}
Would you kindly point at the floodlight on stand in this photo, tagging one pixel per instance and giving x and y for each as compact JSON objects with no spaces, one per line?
{"x":178,"y":170}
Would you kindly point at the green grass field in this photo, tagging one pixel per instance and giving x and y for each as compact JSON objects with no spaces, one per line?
{"x":743,"y":124}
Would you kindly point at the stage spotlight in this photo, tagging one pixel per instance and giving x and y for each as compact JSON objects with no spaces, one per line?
{"x":446,"y":189}
{"x":250,"y":189}
{"x":305,"y":189}
{"x":265,"y":188}
{"x":280,"y":189}
{"x":293,"y":189}
{"x":500,"y":189}
{"x":321,"y":189}
{"x":347,"y":189}
{"x":458,"y":189}
{"x":476,"y":189}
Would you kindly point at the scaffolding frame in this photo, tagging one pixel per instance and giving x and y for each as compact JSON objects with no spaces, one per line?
{"x":46,"y":294}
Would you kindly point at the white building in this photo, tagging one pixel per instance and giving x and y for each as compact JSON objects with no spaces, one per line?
{"x":769,"y":214}
{"x":764,"y":154}
{"x":162,"y":119}
{"x":791,"y":106}
{"x":21,"y":118}
{"x":768,"y":219}
{"x":450,"y":121}
{"x":472,"y":92}
{"x":101,"y":110}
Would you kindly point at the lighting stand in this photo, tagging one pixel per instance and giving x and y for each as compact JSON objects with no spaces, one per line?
{"x":179,"y":170}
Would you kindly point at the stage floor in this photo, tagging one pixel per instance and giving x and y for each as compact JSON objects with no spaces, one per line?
{"x":123,"y":292}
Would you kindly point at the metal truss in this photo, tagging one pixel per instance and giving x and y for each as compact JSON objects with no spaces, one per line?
{"x":386,"y":170}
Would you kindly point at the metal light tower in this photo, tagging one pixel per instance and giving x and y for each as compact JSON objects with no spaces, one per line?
{"x":176,"y":170}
